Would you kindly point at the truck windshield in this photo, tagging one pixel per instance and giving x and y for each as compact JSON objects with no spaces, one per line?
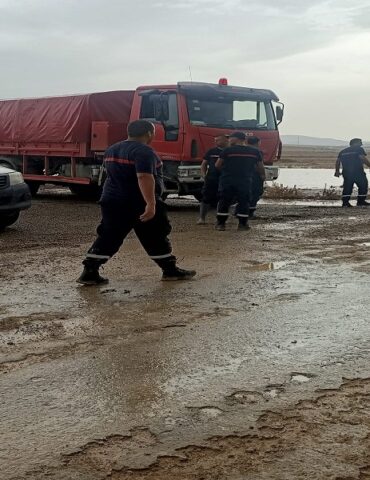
{"x":226,"y":112}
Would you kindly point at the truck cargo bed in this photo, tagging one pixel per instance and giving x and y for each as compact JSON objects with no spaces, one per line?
{"x":62,"y":126}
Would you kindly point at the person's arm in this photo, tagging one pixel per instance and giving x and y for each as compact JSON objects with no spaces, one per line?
{"x":365,"y":161}
{"x":145,"y":163}
{"x":203,"y":168}
{"x":219,"y":163}
{"x":147,"y":189}
{"x":337,"y":168}
{"x":260,"y":169}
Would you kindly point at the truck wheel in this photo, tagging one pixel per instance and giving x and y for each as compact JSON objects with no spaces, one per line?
{"x":86,"y":192}
{"x":34,"y":187}
{"x":7,"y":219}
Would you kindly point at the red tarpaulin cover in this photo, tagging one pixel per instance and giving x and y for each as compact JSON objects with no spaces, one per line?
{"x":61,"y":119}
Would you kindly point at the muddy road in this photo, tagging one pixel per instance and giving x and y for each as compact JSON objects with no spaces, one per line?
{"x":257,"y":369}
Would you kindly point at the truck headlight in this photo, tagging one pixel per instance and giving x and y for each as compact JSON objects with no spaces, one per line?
{"x":183,"y":172}
{"x":194,"y":172}
{"x":15,"y":178}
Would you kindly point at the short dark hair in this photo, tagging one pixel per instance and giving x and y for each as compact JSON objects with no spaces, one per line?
{"x":239,"y":135}
{"x":354,"y":141}
{"x":139,"y":128}
{"x":253,"y":140}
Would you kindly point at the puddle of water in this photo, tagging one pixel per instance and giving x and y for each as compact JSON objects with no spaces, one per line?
{"x":273,"y":393}
{"x":308,"y":178}
{"x":246,"y":397}
{"x":261,"y":267}
{"x":265,"y":267}
{"x":210,"y":412}
{"x":303,"y":203}
{"x":300,"y":378}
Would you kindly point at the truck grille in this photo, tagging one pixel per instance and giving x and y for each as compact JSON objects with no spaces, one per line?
{"x":3,"y":181}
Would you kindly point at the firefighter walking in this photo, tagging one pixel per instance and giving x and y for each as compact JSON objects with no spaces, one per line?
{"x":237,"y":163}
{"x":131,"y":201}
{"x":352,"y":161}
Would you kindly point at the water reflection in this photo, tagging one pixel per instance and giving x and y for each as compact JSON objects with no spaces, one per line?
{"x":309,"y":178}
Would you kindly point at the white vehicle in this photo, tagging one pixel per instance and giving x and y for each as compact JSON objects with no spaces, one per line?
{"x":14,"y":196}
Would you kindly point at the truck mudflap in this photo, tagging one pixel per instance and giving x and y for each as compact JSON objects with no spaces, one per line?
{"x":272,"y":173}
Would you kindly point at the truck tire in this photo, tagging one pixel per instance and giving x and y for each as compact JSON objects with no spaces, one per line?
{"x":86,"y":192}
{"x":7,"y":219}
{"x":34,"y":187}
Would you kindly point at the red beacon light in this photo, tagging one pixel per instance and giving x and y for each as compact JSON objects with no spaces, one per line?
{"x":223,"y":82}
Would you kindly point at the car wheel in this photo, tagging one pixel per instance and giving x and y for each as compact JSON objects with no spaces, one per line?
{"x":7,"y":219}
{"x":34,"y":187}
{"x":86,"y":192}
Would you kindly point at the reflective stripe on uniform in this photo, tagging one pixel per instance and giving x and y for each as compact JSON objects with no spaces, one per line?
{"x":241,"y":215}
{"x":100,"y":257}
{"x":223,"y":214}
{"x":122,"y":161}
{"x":161,"y":257}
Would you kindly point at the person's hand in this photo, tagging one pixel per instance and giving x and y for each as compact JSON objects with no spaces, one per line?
{"x":336,"y":174}
{"x":149,"y":212}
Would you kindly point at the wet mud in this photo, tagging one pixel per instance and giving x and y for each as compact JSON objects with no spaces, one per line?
{"x":257,"y":369}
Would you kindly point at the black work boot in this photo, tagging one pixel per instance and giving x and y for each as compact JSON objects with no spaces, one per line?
{"x":178,"y":274}
{"x":242,"y":227}
{"x":252,"y":214}
{"x":171,"y":272}
{"x":363,"y":203}
{"x":90,"y":274}
{"x":346,"y":205}
{"x":221,"y":227}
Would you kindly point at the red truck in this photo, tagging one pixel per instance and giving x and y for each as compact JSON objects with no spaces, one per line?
{"x":61,"y":140}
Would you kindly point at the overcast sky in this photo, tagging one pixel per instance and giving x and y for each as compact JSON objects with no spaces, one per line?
{"x":315,"y":54}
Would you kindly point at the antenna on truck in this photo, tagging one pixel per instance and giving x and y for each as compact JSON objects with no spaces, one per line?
{"x":191,"y":76}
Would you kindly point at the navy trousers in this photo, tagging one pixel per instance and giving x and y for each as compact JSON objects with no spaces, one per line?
{"x":239,"y":191}
{"x":359,"y":179}
{"x":119,"y":220}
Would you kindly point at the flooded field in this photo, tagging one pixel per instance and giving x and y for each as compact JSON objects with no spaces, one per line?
{"x":307,"y":178}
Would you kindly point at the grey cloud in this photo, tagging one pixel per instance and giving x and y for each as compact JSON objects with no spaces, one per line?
{"x":64,"y":46}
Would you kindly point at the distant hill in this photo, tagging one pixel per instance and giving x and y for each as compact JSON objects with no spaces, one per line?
{"x":312,"y":141}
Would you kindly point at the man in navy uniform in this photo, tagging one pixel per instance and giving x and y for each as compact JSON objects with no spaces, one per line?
{"x":237,"y":163}
{"x":211,"y":177}
{"x":131,"y":200}
{"x":352,"y":160}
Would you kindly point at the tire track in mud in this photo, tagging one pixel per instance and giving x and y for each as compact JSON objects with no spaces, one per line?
{"x":327,"y":438}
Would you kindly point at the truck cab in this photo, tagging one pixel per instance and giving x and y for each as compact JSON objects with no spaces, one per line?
{"x":189,"y":115}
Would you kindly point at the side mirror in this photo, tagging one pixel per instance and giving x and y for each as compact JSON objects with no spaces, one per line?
{"x":161,"y":108}
{"x":279,"y":113}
